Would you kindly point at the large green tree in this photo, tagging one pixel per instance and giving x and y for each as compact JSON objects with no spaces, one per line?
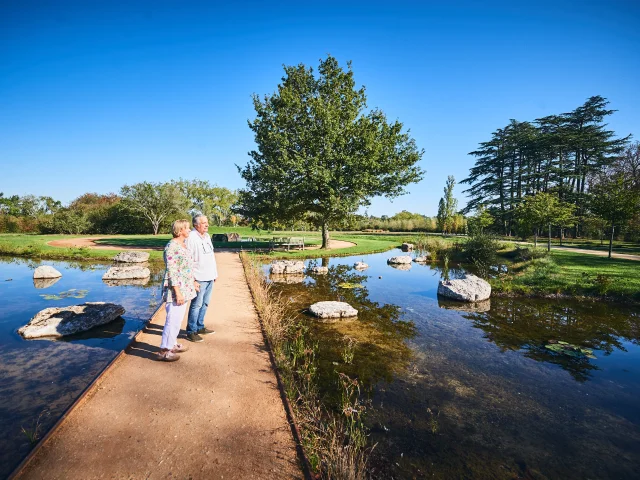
{"x":615,"y":200}
{"x":153,"y":201}
{"x":544,"y":210}
{"x":321,"y":154}
{"x":447,"y":207}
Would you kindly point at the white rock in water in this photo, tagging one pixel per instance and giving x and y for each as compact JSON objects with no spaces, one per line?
{"x":333,"y":310}
{"x":400,"y":259}
{"x":58,"y":322}
{"x":320,"y":270}
{"x":287,"y":266}
{"x":360,"y":266}
{"x":132,"y":256}
{"x":469,"y":288}
{"x":126,"y":273}
{"x":406,"y":247}
{"x":422,"y":259}
{"x":46,"y":271}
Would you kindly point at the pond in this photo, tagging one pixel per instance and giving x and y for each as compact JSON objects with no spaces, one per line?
{"x":40,"y":379}
{"x":458,"y":392}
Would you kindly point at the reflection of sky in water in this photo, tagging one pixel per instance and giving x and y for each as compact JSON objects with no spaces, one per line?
{"x":47,"y":375}
{"x":501,"y":404}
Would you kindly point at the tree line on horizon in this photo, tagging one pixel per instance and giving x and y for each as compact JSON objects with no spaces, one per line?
{"x":565,"y":172}
{"x":139,"y":208}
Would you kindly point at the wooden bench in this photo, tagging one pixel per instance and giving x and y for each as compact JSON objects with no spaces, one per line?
{"x":295,"y":242}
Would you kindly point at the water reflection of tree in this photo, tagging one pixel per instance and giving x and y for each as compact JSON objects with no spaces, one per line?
{"x":528,"y":325}
{"x":379,"y":333}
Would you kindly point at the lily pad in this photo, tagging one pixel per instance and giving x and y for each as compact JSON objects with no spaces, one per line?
{"x":350,"y":285}
{"x":71,"y":293}
{"x":570,"y":350}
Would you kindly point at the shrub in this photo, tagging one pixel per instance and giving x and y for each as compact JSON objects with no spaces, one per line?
{"x":481,"y":250}
{"x":525,"y":254}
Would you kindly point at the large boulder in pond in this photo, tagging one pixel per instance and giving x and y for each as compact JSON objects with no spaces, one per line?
{"x":360,"y":266}
{"x":400,"y":259}
{"x":329,"y":310}
{"x":126,"y":273}
{"x":132,"y":256}
{"x":287,"y":267}
{"x":406,"y":247}
{"x":58,"y":322}
{"x":423,"y":258}
{"x":46,"y":271}
{"x":468,"y":288}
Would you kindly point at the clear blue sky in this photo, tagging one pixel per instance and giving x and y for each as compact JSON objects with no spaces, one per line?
{"x":96,"y":94}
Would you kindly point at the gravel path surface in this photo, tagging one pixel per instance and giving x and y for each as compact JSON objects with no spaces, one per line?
{"x":215,"y":413}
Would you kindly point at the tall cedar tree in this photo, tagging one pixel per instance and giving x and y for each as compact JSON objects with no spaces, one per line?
{"x":320,"y":156}
{"x":555,"y":153}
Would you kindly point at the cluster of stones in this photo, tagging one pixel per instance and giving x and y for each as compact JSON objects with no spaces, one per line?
{"x":131,"y":272}
{"x":284,"y":267}
{"x":333,"y":311}
{"x":467,"y":288}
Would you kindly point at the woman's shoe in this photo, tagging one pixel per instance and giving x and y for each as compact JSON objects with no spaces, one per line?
{"x":179,"y":348}
{"x":168,"y":356}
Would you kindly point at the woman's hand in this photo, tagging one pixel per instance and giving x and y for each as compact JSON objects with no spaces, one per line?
{"x":197,"y":285}
{"x":179,"y":300}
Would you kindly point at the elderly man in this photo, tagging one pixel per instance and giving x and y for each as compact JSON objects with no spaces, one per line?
{"x":205,"y":272}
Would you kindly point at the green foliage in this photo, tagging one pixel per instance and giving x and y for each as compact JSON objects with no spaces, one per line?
{"x":481,"y":220}
{"x":153,"y":201}
{"x":320,"y":156}
{"x":482,"y":251}
{"x":447,"y":208}
{"x":542,"y":211}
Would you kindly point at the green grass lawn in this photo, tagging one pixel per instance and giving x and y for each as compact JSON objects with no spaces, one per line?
{"x":573,"y":273}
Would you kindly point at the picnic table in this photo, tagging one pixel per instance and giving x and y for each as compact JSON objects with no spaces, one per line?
{"x":288,"y":242}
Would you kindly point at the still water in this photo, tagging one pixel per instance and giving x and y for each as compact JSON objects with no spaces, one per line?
{"x":458,"y":392}
{"x":39,"y":379}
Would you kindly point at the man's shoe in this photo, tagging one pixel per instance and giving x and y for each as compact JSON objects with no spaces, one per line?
{"x":194,"y":337}
{"x":205,"y":331}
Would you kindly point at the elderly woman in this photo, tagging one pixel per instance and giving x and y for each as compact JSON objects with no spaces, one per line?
{"x":179,"y":287}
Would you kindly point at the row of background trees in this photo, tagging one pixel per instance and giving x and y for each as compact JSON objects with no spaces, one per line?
{"x":139,"y":208}
{"x":559,"y":174}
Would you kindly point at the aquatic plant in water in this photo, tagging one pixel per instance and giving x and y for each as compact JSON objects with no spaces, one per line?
{"x":566,"y":348}
{"x":350,"y":285}
{"x":71,"y":293}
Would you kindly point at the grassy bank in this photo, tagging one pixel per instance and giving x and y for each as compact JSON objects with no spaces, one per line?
{"x":567,"y":273}
{"x":35,"y":246}
{"x":334,"y":442}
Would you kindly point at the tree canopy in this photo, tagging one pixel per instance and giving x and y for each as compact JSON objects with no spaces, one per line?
{"x":320,"y":154}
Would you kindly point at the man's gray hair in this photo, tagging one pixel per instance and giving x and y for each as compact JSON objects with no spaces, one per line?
{"x":197,"y":217}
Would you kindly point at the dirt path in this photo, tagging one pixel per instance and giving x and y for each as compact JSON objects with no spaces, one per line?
{"x":216,"y":413}
{"x":599,"y":253}
{"x":89,"y":242}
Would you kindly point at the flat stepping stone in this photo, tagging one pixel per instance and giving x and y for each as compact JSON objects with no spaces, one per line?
{"x":58,"y":322}
{"x":333,"y":309}
{"x":468,"y":288}
{"x":400,"y":259}
{"x":46,"y":271}
{"x":126,"y":273}
{"x":287,"y":266}
{"x":131,"y":256}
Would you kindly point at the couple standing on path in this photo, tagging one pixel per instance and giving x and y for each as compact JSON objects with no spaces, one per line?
{"x":190,"y":274}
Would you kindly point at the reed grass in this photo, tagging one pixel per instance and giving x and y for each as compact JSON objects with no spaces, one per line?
{"x":334,"y":443}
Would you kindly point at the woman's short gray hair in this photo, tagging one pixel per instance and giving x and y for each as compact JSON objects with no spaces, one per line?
{"x":178,"y":226}
{"x":196,"y":218}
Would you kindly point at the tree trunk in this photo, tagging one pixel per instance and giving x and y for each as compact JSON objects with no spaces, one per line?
{"x":325,"y":235}
{"x":611,"y":241}
{"x":549,"y":240}
{"x":561,"y":235}
{"x":535,"y":238}
{"x":156,"y":226}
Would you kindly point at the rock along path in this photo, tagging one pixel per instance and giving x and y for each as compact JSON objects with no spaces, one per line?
{"x":216,"y":413}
